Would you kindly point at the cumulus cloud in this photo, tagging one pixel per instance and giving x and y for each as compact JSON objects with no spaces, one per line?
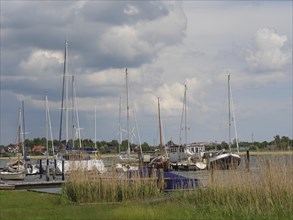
{"x":41,"y":60}
{"x":163,"y":44}
{"x":268,"y":51}
{"x":140,"y":42}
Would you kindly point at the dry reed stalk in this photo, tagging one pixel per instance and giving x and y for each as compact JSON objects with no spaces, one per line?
{"x":84,"y":187}
{"x":267,"y":186}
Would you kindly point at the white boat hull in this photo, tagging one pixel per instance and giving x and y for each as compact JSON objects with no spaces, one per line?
{"x":12,"y":175}
{"x":86,"y":165}
{"x":225,"y":161}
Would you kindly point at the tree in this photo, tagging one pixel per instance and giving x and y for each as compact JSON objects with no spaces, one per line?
{"x":145,"y":147}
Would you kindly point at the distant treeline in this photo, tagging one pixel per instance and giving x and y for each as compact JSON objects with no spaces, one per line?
{"x":278,"y":143}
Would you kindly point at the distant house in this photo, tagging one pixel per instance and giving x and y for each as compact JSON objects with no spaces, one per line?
{"x":38,"y":148}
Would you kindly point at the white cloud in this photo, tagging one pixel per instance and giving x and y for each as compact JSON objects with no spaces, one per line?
{"x":145,"y":38}
{"x":123,"y":42}
{"x":164,"y":46}
{"x":268,"y":52}
{"x":41,"y":60}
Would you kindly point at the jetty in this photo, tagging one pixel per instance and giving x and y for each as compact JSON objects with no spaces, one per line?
{"x":31,"y":185}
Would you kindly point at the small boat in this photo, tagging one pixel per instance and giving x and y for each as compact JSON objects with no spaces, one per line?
{"x":71,"y":159}
{"x":120,"y":167}
{"x":125,"y":160}
{"x":15,"y":166}
{"x":86,"y":165}
{"x":32,"y":169}
{"x":186,"y":156}
{"x":162,"y":161}
{"x":17,"y":169}
{"x":124,"y":157}
{"x":226,"y":159}
{"x":222,"y":160}
{"x":5,"y":175}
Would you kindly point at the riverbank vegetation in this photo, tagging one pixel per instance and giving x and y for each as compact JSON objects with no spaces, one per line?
{"x":263,"y":192}
{"x":92,"y":187}
{"x":277,"y":144}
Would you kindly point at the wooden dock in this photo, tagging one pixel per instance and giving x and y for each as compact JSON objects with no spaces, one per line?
{"x":31,"y":185}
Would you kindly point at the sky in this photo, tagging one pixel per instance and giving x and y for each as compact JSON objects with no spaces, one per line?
{"x":164,"y":45}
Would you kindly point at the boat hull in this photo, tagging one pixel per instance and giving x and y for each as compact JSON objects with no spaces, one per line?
{"x":12,"y":175}
{"x":225,"y":161}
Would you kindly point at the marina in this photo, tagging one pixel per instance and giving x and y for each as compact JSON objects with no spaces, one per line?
{"x":203,"y":177}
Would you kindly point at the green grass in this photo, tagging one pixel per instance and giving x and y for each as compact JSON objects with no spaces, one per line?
{"x":184,"y":205}
{"x":262,"y":193}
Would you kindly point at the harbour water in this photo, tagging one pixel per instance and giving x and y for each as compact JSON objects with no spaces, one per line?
{"x":205,"y":176}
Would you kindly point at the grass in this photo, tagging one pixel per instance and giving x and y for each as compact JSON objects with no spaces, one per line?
{"x":265,"y":192}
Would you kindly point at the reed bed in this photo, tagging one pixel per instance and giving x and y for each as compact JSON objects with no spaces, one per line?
{"x":265,"y":190}
{"x":93,"y":187}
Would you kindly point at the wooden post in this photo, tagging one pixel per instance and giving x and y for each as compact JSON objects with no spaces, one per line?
{"x":247,"y":154}
{"x":47,"y":171}
{"x":41,"y":169}
{"x":54,"y":171}
{"x":247,"y":160}
{"x":62,"y":169}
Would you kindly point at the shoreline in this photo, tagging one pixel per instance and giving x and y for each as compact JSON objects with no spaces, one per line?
{"x":266,"y":153}
{"x":242,"y":153}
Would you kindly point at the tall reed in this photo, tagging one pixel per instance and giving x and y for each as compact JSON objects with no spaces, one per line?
{"x":268,"y":188}
{"x":92,"y":187}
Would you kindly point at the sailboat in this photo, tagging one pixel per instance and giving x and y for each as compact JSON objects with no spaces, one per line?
{"x":125,"y":156}
{"x":16,"y":170}
{"x":73,"y":159}
{"x":126,"y":162}
{"x":186,"y":156}
{"x":161,"y":161}
{"x":226,"y":159}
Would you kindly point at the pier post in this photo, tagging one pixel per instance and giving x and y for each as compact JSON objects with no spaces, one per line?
{"x":247,"y":154}
{"x":41,"y":169}
{"x":62,"y":169}
{"x":247,"y":160}
{"x":47,"y":171}
{"x":54,"y":171}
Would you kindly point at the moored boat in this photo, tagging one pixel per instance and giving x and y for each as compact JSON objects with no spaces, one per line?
{"x":6,"y":175}
{"x":226,"y":159}
{"x":223,"y":160}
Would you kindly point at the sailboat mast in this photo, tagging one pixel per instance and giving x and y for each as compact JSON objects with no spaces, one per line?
{"x":95,"y":127}
{"x":49,"y":123}
{"x":127,"y":108}
{"x":120,"y":129}
{"x":185,"y":123}
{"x":23,"y":133}
{"x":233,"y":118}
{"x":76,"y":109}
{"x":19,"y":134}
{"x":46,"y":123}
{"x":229,"y":110}
{"x":72,"y":115}
{"x":160,"y":127}
{"x":66,"y":94}
{"x":63,"y":88}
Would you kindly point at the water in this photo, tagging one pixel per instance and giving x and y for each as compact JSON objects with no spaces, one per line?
{"x":205,"y":176}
